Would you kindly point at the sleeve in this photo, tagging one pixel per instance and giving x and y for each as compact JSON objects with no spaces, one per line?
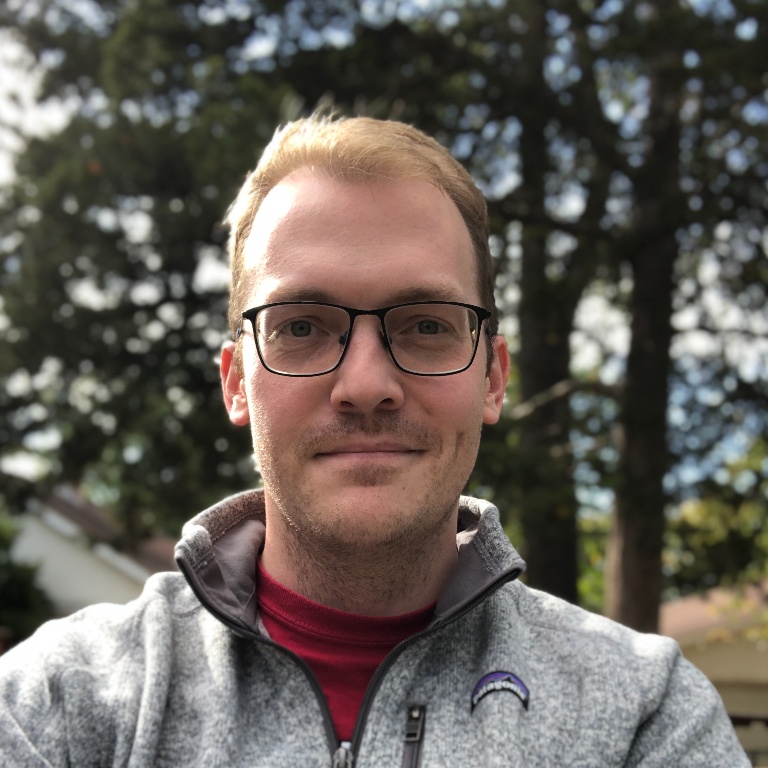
{"x":690,"y":728}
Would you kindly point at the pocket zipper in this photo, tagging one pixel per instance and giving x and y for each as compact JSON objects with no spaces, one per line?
{"x":414,"y":734}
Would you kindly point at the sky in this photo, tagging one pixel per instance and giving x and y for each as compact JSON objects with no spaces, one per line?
{"x":19,"y":110}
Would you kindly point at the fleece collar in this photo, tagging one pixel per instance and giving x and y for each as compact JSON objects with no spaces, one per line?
{"x":220,"y":546}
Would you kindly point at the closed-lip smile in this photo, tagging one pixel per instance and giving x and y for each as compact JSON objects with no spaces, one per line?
{"x":368,"y":447}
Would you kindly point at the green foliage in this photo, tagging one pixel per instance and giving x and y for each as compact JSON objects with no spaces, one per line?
{"x":114,"y":329}
{"x":593,"y":532}
{"x":722,"y":537}
{"x":606,"y":135}
{"x":24,"y":606}
{"x":496,"y":476}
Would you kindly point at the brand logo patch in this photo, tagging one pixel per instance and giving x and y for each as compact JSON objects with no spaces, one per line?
{"x":500,"y":681}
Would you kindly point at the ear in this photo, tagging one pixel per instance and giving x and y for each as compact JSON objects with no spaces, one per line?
{"x":233,"y":387}
{"x":496,"y":381}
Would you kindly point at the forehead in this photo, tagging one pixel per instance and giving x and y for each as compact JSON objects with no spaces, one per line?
{"x":357,"y":242}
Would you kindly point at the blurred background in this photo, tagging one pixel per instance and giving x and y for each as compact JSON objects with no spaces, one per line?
{"x":623,"y":149}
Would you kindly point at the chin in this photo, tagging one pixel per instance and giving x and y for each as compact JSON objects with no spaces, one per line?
{"x":367,"y":503}
{"x":376,"y":514}
{"x":362,"y":534}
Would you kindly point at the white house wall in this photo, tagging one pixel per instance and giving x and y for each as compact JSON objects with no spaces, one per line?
{"x":72,"y":574}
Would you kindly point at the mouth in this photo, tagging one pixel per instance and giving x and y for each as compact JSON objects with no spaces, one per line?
{"x":354,"y":443}
{"x":374,"y":450}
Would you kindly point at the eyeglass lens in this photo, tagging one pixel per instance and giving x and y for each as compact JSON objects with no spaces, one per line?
{"x":307,"y":339}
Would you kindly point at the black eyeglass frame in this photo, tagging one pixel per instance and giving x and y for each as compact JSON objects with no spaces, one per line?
{"x":481,"y":313}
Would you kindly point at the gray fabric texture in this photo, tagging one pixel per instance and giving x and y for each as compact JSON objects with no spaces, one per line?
{"x":185,"y":676}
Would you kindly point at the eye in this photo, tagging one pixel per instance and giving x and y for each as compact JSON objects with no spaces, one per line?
{"x":300,"y":328}
{"x":428,"y":327}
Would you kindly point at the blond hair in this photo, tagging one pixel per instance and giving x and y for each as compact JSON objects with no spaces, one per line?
{"x":358,"y":149}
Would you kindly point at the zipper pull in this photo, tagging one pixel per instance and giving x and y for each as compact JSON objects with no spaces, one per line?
{"x":343,"y":756}
{"x":414,"y":732}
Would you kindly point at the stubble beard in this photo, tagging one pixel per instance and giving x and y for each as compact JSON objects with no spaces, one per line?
{"x":344,"y":560}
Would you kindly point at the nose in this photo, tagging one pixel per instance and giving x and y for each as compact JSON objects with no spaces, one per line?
{"x":367,"y":379}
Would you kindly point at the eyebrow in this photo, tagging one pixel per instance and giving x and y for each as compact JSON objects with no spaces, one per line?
{"x":436,"y":292}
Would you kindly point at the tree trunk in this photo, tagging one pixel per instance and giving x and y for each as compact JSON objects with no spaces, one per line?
{"x":548,"y":506}
{"x":633,"y":567}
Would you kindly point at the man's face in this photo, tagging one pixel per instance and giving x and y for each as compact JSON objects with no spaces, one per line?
{"x":367,"y":453}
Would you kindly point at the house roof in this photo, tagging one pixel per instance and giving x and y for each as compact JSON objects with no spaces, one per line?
{"x":93,"y":521}
{"x":154,"y":554}
{"x":715,"y":613}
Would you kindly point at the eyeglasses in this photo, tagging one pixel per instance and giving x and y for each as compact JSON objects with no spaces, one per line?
{"x":308,"y":338}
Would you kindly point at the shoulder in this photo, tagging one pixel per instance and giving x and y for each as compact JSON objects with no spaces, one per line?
{"x":641,"y":677}
{"x":86,"y":673}
{"x":631,"y":687}
{"x":581,"y":643}
{"x":82,"y":686}
{"x":104,"y":634}
{"x":546,"y":611}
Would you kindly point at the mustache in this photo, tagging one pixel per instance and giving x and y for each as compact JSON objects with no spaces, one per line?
{"x":350,"y":425}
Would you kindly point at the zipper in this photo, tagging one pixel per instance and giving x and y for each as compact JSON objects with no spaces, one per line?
{"x":414,"y":733}
{"x":343,"y":749}
{"x":343,"y":756}
{"x":392,"y":656}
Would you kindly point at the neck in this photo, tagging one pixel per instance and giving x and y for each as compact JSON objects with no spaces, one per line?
{"x":377,"y":578}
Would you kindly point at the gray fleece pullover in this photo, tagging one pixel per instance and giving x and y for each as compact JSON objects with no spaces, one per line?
{"x":503,"y":676}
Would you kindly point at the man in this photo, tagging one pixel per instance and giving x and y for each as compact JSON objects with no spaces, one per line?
{"x":336,"y":617}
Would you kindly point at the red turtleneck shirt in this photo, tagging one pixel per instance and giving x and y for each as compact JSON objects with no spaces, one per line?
{"x":342,"y":649}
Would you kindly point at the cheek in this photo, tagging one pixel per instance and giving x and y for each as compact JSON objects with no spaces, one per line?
{"x":457,"y":413}
{"x":457,"y":406}
{"x":281,"y":408}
